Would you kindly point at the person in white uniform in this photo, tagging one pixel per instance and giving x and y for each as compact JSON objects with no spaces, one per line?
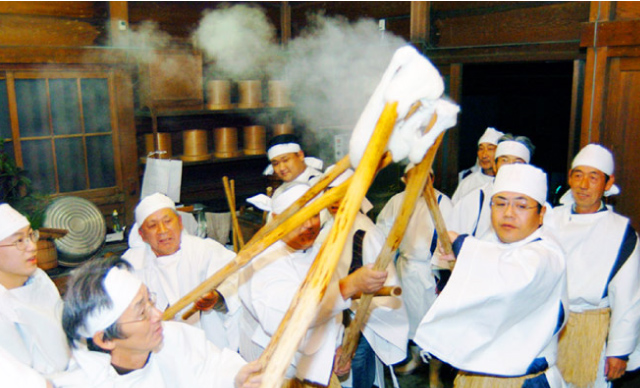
{"x":384,"y":335}
{"x":483,"y":172}
{"x":268,"y":285}
{"x":498,"y":318}
{"x":471,"y":214}
{"x":172,"y":263}
{"x":30,"y":304}
{"x":603,"y":271}
{"x":17,"y":375}
{"x":119,"y":339}
{"x":414,"y":259}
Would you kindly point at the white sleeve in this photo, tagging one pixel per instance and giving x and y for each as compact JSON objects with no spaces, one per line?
{"x":18,"y":375}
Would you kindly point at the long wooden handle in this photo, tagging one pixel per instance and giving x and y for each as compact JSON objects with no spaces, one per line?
{"x":415,"y":185}
{"x":232,"y":208}
{"x":285,"y":341}
{"x":438,"y":220}
{"x":384,"y":291}
{"x":265,"y":213}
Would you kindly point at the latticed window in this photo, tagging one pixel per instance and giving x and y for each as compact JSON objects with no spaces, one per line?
{"x":60,"y":127}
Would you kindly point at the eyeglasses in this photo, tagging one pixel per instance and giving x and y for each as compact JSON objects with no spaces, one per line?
{"x":519,"y":206}
{"x":23,"y":242}
{"x":146,"y":313}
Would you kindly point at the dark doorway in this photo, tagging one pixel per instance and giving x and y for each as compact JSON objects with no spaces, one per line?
{"x":530,"y":99}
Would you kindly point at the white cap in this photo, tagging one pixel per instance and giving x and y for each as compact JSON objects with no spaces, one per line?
{"x":152,"y":204}
{"x":10,"y":221}
{"x":121,"y":286}
{"x":524,"y":179}
{"x":285,"y":199}
{"x":513,"y":148}
{"x":491,"y":136}
{"x":596,"y":156}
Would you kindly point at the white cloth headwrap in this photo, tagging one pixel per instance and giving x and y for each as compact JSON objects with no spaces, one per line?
{"x":121,"y":286}
{"x":310,"y":161}
{"x":10,"y":221}
{"x":596,"y":156}
{"x":280,"y":203}
{"x":513,"y":148}
{"x":340,"y":179}
{"x":152,"y":204}
{"x":281,"y":149}
{"x":524,"y":179}
{"x":491,"y":136}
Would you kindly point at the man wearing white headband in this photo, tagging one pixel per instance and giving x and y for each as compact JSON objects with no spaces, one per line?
{"x":603,"y":272}
{"x":483,"y":172}
{"x":289,"y":163}
{"x":414,"y":260}
{"x":111,"y":319}
{"x":498,"y":318}
{"x":269,"y":283}
{"x":471,"y":214}
{"x":30,"y":304}
{"x":384,"y":336}
{"x":172,"y":263}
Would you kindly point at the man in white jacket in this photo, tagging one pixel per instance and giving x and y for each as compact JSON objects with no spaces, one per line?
{"x":269,"y":283}
{"x":498,"y":318}
{"x":111,"y":320}
{"x":603,"y":273}
{"x":172,"y":263}
{"x":30,"y":304}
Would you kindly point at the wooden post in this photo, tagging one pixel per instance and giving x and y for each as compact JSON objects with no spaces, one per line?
{"x":285,"y":341}
{"x":415,"y":185}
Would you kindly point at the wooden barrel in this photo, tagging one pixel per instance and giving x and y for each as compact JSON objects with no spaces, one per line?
{"x":279,"y":94}
{"x":281,"y":129}
{"x":226,"y":142}
{"x":218,"y":94}
{"x":254,"y":140}
{"x":164,"y":144}
{"x":195,"y":145}
{"x":46,"y":255}
{"x":250,"y":94}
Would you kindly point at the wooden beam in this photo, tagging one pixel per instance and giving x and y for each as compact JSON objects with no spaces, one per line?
{"x":617,"y":33}
{"x":420,"y":21}
{"x":577,"y":96}
{"x":118,"y":20}
{"x":285,"y":23}
{"x":594,"y":95}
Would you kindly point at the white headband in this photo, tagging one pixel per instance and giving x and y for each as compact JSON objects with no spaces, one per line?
{"x":310,"y":161}
{"x":491,"y":136}
{"x":152,"y":204}
{"x":522,"y":178}
{"x":340,"y":179}
{"x":10,"y":221}
{"x":281,"y":149}
{"x":596,"y":156}
{"x":513,"y":148}
{"x":121,"y":286}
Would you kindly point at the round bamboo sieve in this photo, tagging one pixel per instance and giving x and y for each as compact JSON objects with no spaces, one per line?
{"x":195,"y":145}
{"x":250,"y":94}
{"x":218,"y":94}
{"x":226,"y":142}
{"x":164,"y":144}
{"x":254,"y":140}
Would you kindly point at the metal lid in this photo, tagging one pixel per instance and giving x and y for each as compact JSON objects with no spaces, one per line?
{"x":85,"y":223}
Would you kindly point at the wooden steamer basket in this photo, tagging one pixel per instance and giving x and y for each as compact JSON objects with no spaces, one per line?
{"x":255,"y":140}
{"x":195,"y":145}
{"x":47,"y":255}
{"x":279,"y":94}
{"x":219,"y":95}
{"x":282,"y":129}
{"x":226,"y":142}
{"x":164,"y":144}
{"x":250,"y":94}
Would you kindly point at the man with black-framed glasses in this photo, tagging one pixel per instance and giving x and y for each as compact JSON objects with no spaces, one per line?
{"x":498,"y":318}
{"x":119,"y":339}
{"x":30,"y":328}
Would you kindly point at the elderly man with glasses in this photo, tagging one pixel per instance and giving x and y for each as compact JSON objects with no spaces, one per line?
{"x":499,"y":316}
{"x":30,"y":329}
{"x":111,"y":320}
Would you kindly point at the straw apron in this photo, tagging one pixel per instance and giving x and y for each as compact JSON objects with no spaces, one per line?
{"x":580,"y":346}
{"x":472,"y":380}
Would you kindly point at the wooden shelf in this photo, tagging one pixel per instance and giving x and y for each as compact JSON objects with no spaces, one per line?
{"x":171,"y":112}
{"x":214,"y":160}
